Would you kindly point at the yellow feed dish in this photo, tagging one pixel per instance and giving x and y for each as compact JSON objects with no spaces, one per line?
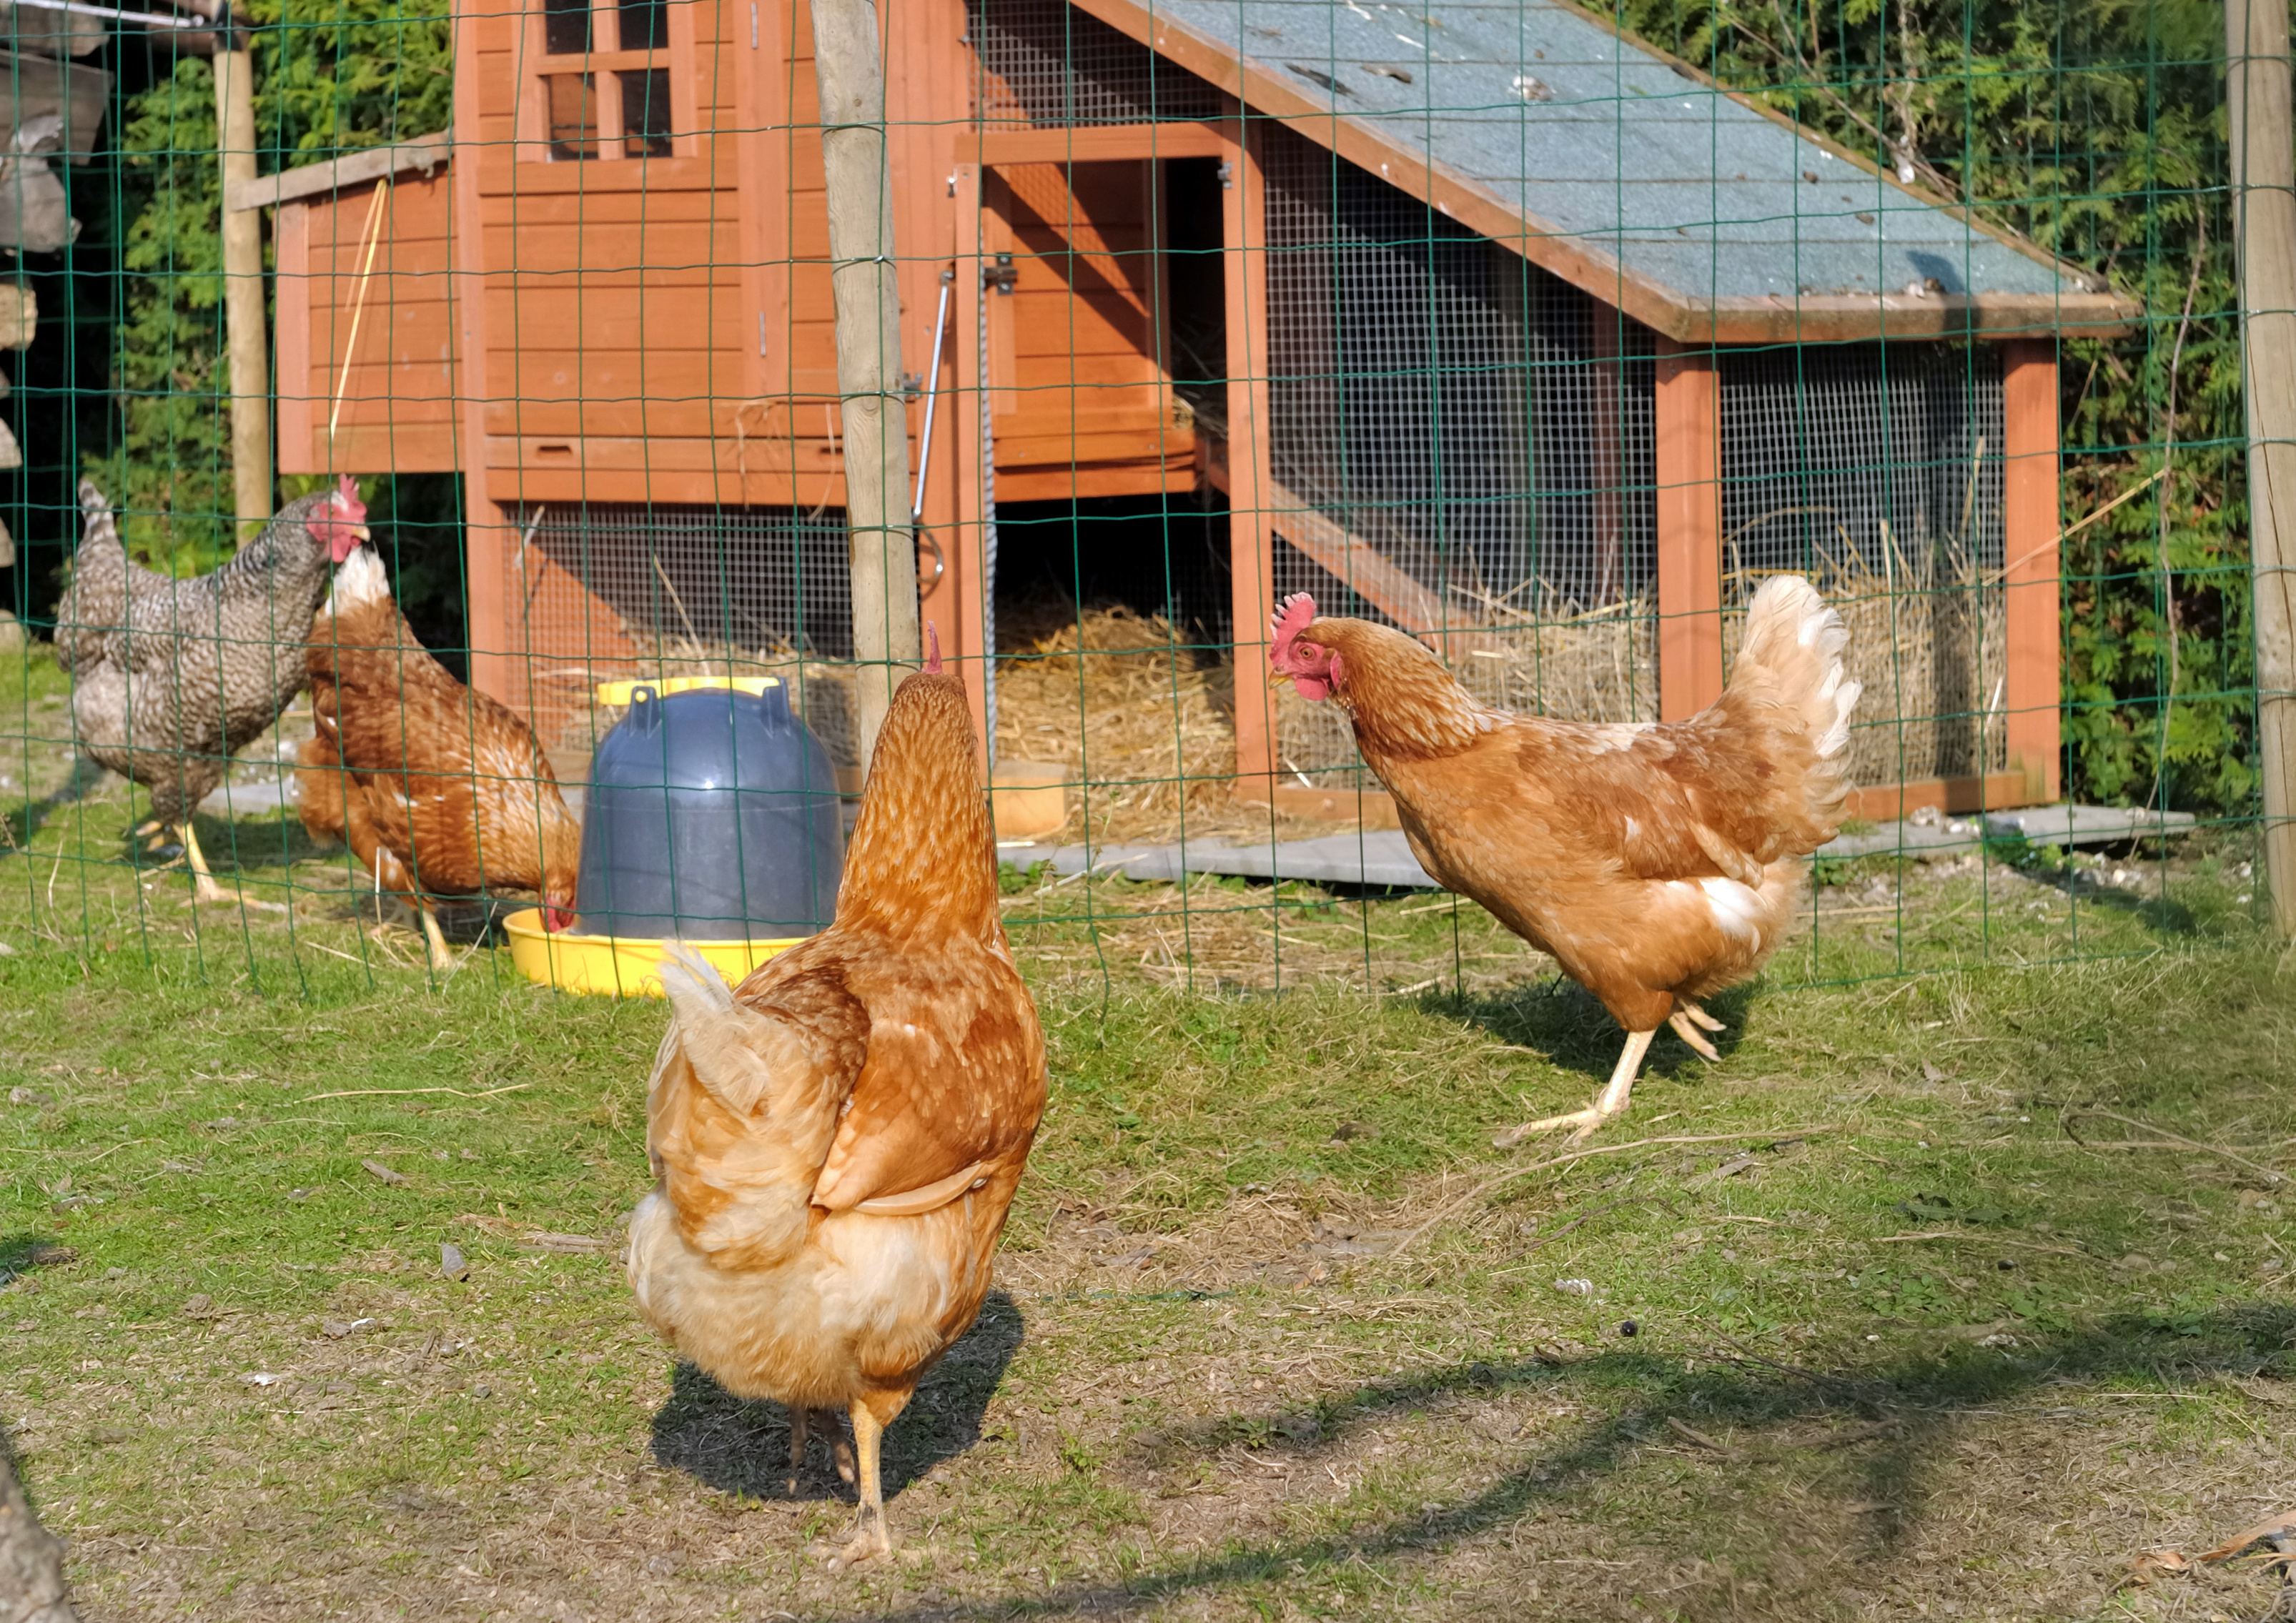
{"x":622,"y":966}
{"x":622,"y":692}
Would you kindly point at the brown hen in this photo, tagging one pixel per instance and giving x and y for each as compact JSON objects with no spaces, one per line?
{"x":838,"y":1140}
{"x":437,"y":789}
{"x":1656,"y":862}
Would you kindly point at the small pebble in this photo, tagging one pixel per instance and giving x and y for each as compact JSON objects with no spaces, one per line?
{"x":451,"y":1263}
{"x":1575,"y":1287}
{"x":1630,"y":1329}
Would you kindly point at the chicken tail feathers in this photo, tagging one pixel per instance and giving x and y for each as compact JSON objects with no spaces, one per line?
{"x":729,"y":1046}
{"x":97,"y":523}
{"x":1792,"y":648}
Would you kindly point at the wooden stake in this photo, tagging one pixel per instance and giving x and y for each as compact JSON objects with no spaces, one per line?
{"x":850,"y":74}
{"x":242,"y":296}
{"x":2264,"y":216}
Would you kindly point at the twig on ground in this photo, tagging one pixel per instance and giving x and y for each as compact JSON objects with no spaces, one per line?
{"x":2177,"y":1139}
{"x":1483,"y":1189}
{"x":361,"y":1092}
{"x":1947,"y":1234}
{"x":1681,"y":1429}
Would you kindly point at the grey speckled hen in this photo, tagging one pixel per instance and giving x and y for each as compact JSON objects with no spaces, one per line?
{"x":172,"y":677}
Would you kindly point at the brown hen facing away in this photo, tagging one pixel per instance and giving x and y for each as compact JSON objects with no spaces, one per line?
{"x":437,"y":789}
{"x":1655,"y":861}
{"x":171,"y":679}
{"x":838,"y":1140}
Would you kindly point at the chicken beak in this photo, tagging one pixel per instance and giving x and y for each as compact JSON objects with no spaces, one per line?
{"x":1277,"y":678}
{"x":361,"y":532}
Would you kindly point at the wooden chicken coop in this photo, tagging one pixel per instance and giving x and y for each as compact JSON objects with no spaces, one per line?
{"x":1487,"y":322}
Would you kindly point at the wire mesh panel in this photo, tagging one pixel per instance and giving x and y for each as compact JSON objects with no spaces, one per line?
{"x":1444,"y":409}
{"x":1043,"y":64}
{"x":1876,"y":470}
{"x":610,"y":590}
{"x":1493,"y":323}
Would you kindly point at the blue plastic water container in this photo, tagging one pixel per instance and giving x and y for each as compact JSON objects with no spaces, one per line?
{"x":712,"y":815}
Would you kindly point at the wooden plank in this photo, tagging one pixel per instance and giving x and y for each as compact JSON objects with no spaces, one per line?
{"x":562,"y":422}
{"x":761,"y":79}
{"x":1174,"y":445}
{"x":1089,"y":144}
{"x":1689,"y":472}
{"x":1083,"y":480}
{"x":966,"y":406}
{"x":427,"y":153}
{"x":699,"y":486}
{"x":396,"y":447}
{"x":614,"y":379}
{"x":485,"y":546}
{"x":1994,"y":791}
{"x":1252,"y":536}
{"x":291,"y":247}
{"x":2030,"y":521}
{"x":622,"y":318}
{"x":637,"y":226}
{"x":2264,"y":195}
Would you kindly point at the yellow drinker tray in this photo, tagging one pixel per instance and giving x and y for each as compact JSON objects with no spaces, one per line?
{"x":621,"y":693}
{"x":624,"y":966}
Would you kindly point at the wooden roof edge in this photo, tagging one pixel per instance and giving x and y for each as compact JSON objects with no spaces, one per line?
{"x":1835,"y":318}
{"x":1653,"y":303}
{"x":351,"y":170}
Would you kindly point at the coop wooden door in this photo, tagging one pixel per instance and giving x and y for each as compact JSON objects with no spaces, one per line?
{"x":1082,"y":393}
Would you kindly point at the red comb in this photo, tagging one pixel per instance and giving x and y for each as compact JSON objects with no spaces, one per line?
{"x":1290,"y":619}
{"x":932,"y":650}
{"x":347,"y":497}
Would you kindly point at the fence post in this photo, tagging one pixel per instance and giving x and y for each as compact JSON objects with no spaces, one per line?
{"x":856,"y":170}
{"x":2264,"y":219}
{"x":2031,"y":686}
{"x":1688,"y":408}
{"x":243,"y":295}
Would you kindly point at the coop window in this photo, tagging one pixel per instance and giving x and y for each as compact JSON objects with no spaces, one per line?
{"x":644,"y":25}
{"x":605,"y":85}
{"x":566,"y":28}
{"x":572,"y":99}
{"x":646,"y":112}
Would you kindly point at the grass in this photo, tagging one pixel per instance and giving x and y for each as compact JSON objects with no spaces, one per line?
{"x":1932,"y":1333}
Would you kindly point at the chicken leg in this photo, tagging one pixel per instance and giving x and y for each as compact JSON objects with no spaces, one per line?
{"x":870,"y":1537}
{"x":1611,"y":1102}
{"x":204,"y":886}
{"x":442,"y":957}
{"x":1686,"y":1019}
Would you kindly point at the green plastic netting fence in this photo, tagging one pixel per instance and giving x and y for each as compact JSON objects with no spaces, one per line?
{"x":1543,"y":333}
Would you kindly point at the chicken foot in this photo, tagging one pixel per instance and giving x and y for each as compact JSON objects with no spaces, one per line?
{"x":1686,"y":1019}
{"x":870,"y":1537}
{"x":1611,"y":1102}
{"x":203,"y":884}
{"x":803,"y":1423}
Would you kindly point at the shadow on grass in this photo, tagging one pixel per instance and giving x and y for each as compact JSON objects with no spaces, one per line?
{"x":1567,"y":1025}
{"x":1911,"y":1409}
{"x":21,"y":824}
{"x":741,"y":1446}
